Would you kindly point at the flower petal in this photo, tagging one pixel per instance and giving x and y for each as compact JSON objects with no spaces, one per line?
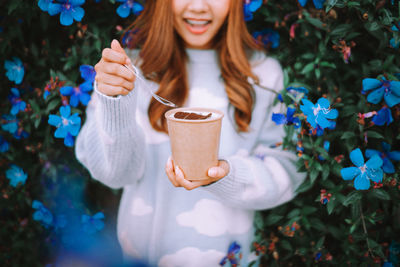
{"x":61,"y":132}
{"x":254,"y":5}
{"x":375,"y":162}
{"x":370,"y":152}
{"x":54,"y":9}
{"x":349,"y":173}
{"x":278,"y":118}
{"x":76,"y":2}
{"x":375,"y":175}
{"x":74,"y":100}
{"x":319,"y":4}
{"x":394,"y":155}
{"x":137,"y":8}
{"x":356,"y":157}
{"x":84,"y":98}
{"x":391,"y":99}
{"x":66,"y":18}
{"x":371,"y":84}
{"x":323,"y":103}
{"x":65,"y":111}
{"x":54,"y":120}
{"x":69,"y":140}
{"x":87,"y":72}
{"x":303,"y":2}
{"x":376,"y":96}
{"x":361,"y":182}
{"x":387,"y":166}
{"x":78,"y":13}
{"x":66,"y":90}
{"x":123,"y":10}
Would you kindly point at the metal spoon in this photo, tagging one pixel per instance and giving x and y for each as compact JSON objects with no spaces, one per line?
{"x":160,"y":99}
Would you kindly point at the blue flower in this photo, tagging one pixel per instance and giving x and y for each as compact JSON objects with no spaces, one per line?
{"x":42,"y":214}
{"x":60,"y":221}
{"x":128,"y":5}
{"x":318,"y":131}
{"x":319,"y":4}
{"x":4,"y":145}
{"x":92,"y":224}
{"x":70,"y":10}
{"x":16,"y":175}
{"x":289,"y":119}
{"x":249,"y":7}
{"x":44,"y":5}
{"x":363,"y":172}
{"x":77,"y":94}
{"x":268,"y":37}
{"x":87,"y":73}
{"x":9,"y":123}
{"x":386,"y":155}
{"x":15,"y":70}
{"x":233,"y":256}
{"x":67,"y":125}
{"x":384,"y":116}
{"x":389,"y":90}
{"x":16,"y":102}
{"x":319,"y":113}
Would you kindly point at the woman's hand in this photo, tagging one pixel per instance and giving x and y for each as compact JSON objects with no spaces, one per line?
{"x":177,"y":177}
{"x":112,"y":77}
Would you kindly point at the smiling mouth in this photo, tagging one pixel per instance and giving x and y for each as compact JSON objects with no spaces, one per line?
{"x":197,"y":23}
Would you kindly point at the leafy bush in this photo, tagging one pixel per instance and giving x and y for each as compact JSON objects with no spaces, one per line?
{"x":340,"y":106}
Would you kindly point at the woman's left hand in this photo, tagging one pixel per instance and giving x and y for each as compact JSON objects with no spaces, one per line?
{"x":177,"y":178}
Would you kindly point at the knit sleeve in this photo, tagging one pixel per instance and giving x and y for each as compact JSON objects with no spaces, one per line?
{"x":265,"y":177}
{"x":111,"y":144}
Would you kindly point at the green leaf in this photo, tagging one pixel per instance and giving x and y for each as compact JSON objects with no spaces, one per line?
{"x":293,"y":213}
{"x":273,"y":219}
{"x":381,"y":194}
{"x":330,"y":206}
{"x":53,"y":104}
{"x":373,"y":134}
{"x":327,"y":64}
{"x":305,"y":186}
{"x":352,"y":198}
{"x":347,"y":135}
{"x":309,"y":67}
{"x":286,"y":245}
{"x":372,"y":26}
{"x":316,"y":22}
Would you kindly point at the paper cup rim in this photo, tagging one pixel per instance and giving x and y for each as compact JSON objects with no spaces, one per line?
{"x":168,"y":113}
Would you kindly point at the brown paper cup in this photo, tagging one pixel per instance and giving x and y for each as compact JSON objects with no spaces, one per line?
{"x":195,"y":143}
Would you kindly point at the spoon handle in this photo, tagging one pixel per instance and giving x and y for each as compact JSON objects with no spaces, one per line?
{"x":160,"y":99}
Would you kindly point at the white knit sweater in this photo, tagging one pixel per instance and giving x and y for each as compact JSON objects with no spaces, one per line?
{"x":168,"y":226}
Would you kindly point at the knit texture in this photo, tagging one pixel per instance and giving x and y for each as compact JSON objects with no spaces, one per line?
{"x":168,"y":226}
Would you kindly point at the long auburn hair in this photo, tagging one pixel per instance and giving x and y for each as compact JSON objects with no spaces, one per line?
{"x":163,"y":60}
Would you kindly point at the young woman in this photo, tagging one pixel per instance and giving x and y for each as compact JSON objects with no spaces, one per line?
{"x":194,"y":53}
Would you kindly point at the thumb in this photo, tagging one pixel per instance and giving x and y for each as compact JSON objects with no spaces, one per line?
{"x":115,"y":45}
{"x":216,"y":172}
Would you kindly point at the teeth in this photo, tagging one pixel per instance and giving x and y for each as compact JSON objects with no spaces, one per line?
{"x":198,"y":22}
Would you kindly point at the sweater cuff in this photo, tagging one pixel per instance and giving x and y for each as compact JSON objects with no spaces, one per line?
{"x":116,"y":113}
{"x":235,"y":182}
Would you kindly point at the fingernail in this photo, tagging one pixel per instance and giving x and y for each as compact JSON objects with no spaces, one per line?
{"x":128,"y":61}
{"x":212,"y":172}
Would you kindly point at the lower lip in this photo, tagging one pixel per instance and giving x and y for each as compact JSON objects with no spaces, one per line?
{"x":197,"y":29}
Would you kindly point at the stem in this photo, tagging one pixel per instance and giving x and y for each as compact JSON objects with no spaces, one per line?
{"x":266,"y":88}
{"x":365,"y":229}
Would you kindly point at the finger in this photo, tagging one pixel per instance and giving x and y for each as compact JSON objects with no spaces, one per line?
{"x":115,"y":45}
{"x":111,"y":55}
{"x":117,"y":69}
{"x":188,"y":185}
{"x":169,"y":170}
{"x":216,"y":172}
{"x":111,"y":90}
{"x":114,"y":80}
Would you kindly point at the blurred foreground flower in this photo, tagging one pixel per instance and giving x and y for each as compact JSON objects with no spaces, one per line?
{"x":16,"y":102}
{"x":125,"y":9}
{"x":233,"y":256}
{"x":249,"y":7}
{"x":15,"y":70}
{"x":92,"y":224}
{"x":70,"y":10}
{"x":319,"y":113}
{"x":42,"y":214}
{"x":364,"y":171}
{"x":16,"y":175}
{"x":267,"y":37}
{"x":389,"y":90}
{"x":4,"y":145}
{"x":9,"y":123}
{"x":386,"y":155}
{"x":67,"y":125}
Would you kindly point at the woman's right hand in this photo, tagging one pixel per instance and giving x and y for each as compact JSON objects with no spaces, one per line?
{"x":112,"y":77}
